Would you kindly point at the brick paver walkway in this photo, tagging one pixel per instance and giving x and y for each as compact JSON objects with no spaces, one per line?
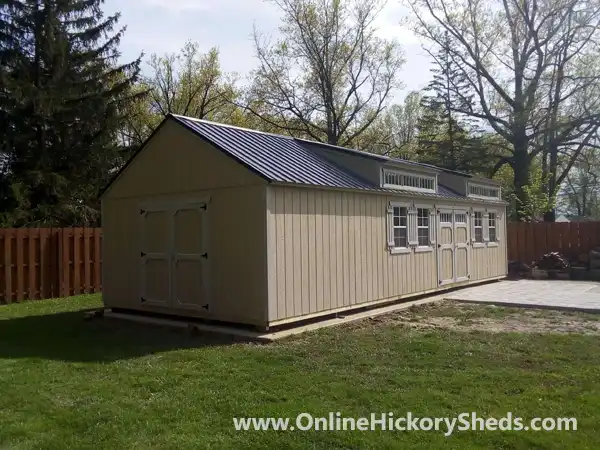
{"x":558,"y":294}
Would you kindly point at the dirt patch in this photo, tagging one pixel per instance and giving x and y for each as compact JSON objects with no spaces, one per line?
{"x":470,"y":317}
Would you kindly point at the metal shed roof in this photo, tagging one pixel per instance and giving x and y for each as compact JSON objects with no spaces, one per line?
{"x":283,"y":159}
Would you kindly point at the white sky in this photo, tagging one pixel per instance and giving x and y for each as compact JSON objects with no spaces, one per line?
{"x":159,"y":26}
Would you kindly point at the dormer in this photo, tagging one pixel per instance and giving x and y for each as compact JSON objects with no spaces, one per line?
{"x":409,"y":180}
{"x":483,"y":189}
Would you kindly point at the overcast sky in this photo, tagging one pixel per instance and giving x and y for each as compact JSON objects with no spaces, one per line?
{"x":159,"y":26}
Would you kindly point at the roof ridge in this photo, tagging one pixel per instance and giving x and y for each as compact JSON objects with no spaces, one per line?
{"x":226,"y":125}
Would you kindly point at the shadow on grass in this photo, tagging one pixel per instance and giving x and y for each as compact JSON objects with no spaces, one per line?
{"x":68,"y":337}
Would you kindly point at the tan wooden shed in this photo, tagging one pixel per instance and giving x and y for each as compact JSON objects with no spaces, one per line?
{"x":235,"y":225}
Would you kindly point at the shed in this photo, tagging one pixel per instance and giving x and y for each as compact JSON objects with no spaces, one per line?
{"x":235,"y":225}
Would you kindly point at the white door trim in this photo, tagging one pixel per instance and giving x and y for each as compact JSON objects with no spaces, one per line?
{"x":465,"y":244}
{"x":441,"y":247}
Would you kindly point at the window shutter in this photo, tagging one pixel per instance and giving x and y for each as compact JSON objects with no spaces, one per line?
{"x":498,"y":222}
{"x":486,"y":227}
{"x":412,"y":226}
{"x":432,"y":228}
{"x":390,"y":227}
{"x":472,"y":226}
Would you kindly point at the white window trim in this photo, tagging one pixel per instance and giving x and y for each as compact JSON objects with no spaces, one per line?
{"x":496,"y":242}
{"x":483,"y":225}
{"x":392,"y":249}
{"x":430,"y":247}
{"x":408,"y":188}
{"x":486,"y":186}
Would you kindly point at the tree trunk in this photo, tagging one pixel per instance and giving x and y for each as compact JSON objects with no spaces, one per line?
{"x":521,"y":170}
{"x":550,"y":216}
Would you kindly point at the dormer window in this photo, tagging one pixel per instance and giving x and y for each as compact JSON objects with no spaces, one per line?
{"x":395,"y":179}
{"x":482,"y":191}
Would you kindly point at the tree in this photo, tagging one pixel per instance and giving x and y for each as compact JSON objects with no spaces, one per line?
{"x":447,"y":138}
{"x":190,"y":83}
{"x":330,"y":76}
{"x":60,"y":99}
{"x":394,"y":133}
{"x":531,"y":67}
{"x":580,"y":195}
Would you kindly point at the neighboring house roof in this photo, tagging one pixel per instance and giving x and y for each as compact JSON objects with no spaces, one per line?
{"x":284,"y":159}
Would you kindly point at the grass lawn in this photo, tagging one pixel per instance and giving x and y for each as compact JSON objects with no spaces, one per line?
{"x":69,"y":383}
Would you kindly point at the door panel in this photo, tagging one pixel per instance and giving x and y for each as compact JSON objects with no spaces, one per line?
{"x":190,"y":257}
{"x":461,"y":249}
{"x":155,"y":271}
{"x":188,"y":232}
{"x":155,"y":232}
{"x":188,"y":283}
{"x":174,"y":256}
{"x":155,"y":280}
{"x":445,"y":247}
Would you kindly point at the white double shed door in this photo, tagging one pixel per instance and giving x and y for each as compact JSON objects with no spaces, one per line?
{"x":174,"y":254}
{"x":453,"y":245}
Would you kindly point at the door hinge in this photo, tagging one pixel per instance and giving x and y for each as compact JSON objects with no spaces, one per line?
{"x":205,"y":256}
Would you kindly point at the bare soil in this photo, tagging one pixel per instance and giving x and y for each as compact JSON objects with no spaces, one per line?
{"x":470,"y":317}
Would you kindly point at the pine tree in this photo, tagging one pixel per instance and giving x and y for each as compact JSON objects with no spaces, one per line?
{"x":61,"y":97}
{"x":446,"y":139}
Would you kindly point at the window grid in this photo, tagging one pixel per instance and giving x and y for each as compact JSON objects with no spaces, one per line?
{"x":492,"y":227}
{"x":397,"y":179}
{"x":446,"y":217}
{"x":478,"y":226}
{"x":400,"y":227}
{"x":423,"y":227}
{"x":460,"y":217}
{"x":483,"y":191}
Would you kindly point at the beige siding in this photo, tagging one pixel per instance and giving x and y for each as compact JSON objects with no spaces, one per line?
{"x":175,"y":161}
{"x":330,"y":252}
{"x":177,"y":166}
{"x":489,"y":261}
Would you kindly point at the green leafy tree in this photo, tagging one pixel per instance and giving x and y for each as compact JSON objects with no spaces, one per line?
{"x":61,"y":98}
{"x":532,"y":70}
{"x":395,"y":132}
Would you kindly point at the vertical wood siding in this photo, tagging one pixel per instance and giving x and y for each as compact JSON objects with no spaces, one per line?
{"x":491,"y":260}
{"x":329,"y":251}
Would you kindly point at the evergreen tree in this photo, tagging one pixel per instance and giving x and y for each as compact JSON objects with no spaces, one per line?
{"x":62,"y":95}
{"x":445,"y":139}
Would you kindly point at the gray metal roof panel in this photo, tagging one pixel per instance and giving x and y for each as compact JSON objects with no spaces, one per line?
{"x":283,"y":159}
{"x":277,"y":158}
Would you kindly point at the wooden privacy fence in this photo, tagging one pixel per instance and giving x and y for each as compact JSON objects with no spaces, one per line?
{"x":38,"y":263}
{"x":527,"y":242}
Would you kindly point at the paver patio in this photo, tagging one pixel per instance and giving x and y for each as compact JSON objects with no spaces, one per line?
{"x":555,"y":294}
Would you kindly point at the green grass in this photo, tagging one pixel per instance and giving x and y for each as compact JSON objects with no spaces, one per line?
{"x":69,"y":383}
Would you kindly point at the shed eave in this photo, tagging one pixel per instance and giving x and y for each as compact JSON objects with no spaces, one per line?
{"x":389,"y":192}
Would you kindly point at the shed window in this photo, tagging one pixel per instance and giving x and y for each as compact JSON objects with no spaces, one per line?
{"x":405,"y":181}
{"x":478,"y":226}
{"x":476,"y":190}
{"x":492,"y":227}
{"x":400,"y":228}
{"x":423,"y":226}
{"x":446,"y":217}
